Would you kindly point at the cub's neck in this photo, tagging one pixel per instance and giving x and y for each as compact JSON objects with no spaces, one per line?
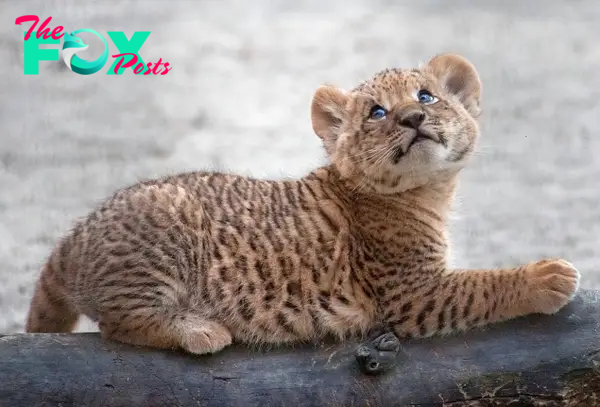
{"x":383,"y":216}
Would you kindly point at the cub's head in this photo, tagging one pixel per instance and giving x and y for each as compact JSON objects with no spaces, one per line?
{"x":402,"y":128}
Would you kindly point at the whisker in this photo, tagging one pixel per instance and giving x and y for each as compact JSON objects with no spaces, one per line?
{"x":369,"y":152}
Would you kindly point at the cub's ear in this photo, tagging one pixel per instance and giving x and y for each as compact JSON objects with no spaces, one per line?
{"x":328,"y":112}
{"x":459,"y":77}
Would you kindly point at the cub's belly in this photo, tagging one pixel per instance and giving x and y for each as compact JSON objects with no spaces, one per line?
{"x":284,"y":311}
{"x":281,"y":288}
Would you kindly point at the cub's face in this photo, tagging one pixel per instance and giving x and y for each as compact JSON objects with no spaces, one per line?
{"x":402,"y":127}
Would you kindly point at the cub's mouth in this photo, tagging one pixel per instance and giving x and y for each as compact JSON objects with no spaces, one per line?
{"x":421,"y":135}
{"x":418,"y":136}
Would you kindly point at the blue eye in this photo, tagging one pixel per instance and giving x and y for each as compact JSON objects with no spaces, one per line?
{"x":425,"y":97}
{"x":377,"y":113}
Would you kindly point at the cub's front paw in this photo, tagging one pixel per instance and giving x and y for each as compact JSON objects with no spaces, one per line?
{"x":378,"y":356}
{"x":553,"y":284}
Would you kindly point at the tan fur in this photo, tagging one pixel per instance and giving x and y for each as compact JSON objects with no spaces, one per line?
{"x":198,"y":260}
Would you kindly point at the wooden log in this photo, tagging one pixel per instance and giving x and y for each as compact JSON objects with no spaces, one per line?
{"x":532,"y":361}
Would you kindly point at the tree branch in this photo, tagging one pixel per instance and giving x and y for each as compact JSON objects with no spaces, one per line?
{"x":537,"y":360}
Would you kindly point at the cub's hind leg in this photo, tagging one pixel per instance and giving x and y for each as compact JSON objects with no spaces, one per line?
{"x":151,"y":311}
{"x":165,"y":328}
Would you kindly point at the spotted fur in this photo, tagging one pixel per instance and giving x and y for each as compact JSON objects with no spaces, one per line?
{"x":198,"y":260}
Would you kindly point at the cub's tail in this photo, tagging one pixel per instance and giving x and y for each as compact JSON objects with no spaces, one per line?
{"x":50,"y":309}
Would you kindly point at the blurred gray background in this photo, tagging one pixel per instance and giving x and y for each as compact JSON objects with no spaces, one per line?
{"x":237,"y":99}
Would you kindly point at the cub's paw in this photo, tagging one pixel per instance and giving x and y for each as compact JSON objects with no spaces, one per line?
{"x":553,"y":284}
{"x":378,"y":356}
{"x":205,"y":337}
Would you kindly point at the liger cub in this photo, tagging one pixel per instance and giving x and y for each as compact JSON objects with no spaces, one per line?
{"x":202,"y":259}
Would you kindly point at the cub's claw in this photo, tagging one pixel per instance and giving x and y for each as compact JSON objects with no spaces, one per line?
{"x":379,"y":355}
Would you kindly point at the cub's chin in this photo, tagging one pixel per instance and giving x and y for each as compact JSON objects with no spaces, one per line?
{"x":423,"y":156}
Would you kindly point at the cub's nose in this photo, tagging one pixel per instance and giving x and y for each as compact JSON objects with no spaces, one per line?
{"x":412,"y":117}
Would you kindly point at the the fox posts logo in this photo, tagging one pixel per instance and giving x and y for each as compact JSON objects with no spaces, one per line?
{"x":128,"y":56}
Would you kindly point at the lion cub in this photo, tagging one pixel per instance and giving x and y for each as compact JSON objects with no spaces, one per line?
{"x":198,"y":260}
